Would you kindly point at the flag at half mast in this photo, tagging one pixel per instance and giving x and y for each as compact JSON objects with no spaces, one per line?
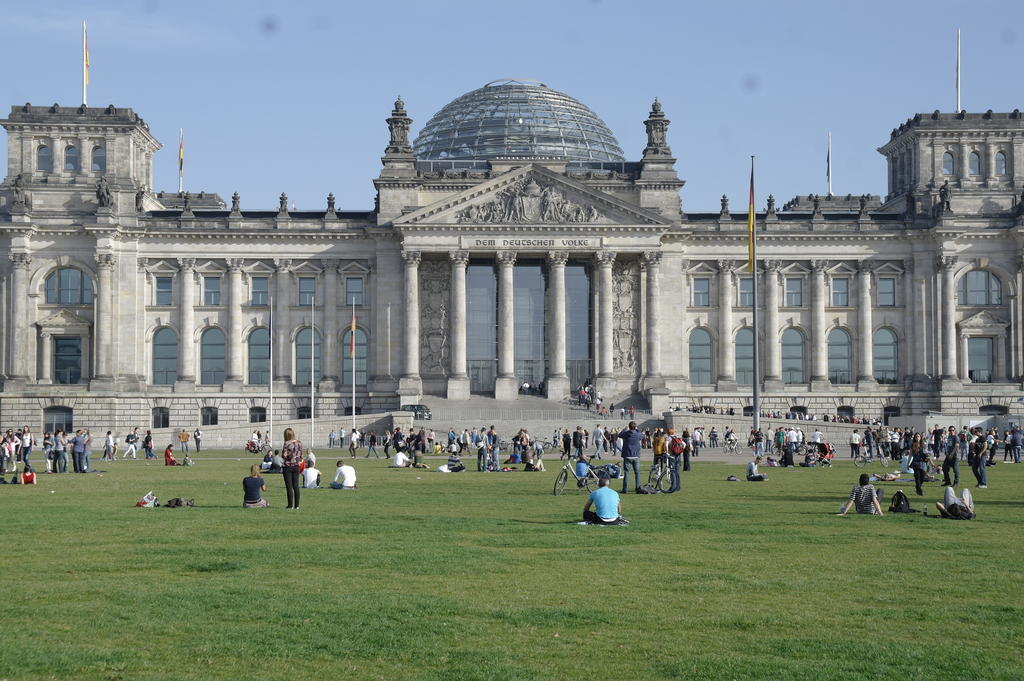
{"x":751,"y":222}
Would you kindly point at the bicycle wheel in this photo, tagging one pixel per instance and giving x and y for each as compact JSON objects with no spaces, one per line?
{"x":590,"y":481}
{"x":563,"y":475}
{"x":654,"y":475}
{"x":884,"y":461}
{"x":860,"y":461}
{"x":664,"y":480}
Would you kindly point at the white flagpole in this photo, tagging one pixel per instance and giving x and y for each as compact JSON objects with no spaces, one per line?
{"x":352,"y":359}
{"x":312,"y":371}
{"x":828,"y":164}
{"x":85,"y":65}
{"x":958,"y":70}
{"x":181,"y":160}
{"x":270,"y":324}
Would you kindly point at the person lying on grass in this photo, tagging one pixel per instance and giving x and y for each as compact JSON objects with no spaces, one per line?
{"x":607,"y":507}
{"x":886,"y":477}
{"x":865,"y":498}
{"x":956,"y":508}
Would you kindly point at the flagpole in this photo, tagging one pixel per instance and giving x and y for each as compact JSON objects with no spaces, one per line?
{"x":352,"y":358}
{"x":828,"y":164}
{"x":270,"y":325}
{"x":958,"y":70}
{"x":85,"y":65}
{"x":752,"y":265}
{"x":312,"y":370}
{"x":181,"y":160}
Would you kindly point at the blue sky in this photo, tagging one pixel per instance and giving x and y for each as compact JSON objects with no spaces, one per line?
{"x":292,"y":96}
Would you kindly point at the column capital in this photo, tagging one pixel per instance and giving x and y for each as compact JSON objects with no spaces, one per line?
{"x":605,"y":258}
{"x":651,"y":259}
{"x":558,"y":258}
{"x":106,"y":261}
{"x":947,"y":262}
{"x":459,"y":258}
{"x":283,"y":265}
{"x":908,"y":265}
{"x":142,"y":264}
{"x":866,"y":268}
{"x":234,"y":264}
{"x":507,"y":258}
{"x":773,"y":266}
{"x":330,"y":264}
{"x":186,"y":263}
{"x":819,"y":266}
{"x":45,"y":335}
{"x":21,"y":261}
{"x":726,"y":266}
{"x":411,"y":258}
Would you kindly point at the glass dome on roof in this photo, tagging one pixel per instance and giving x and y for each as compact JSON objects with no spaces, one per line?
{"x":520,"y":119}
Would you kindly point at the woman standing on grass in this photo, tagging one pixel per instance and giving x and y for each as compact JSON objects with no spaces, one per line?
{"x":918,"y":461}
{"x":291,"y":453}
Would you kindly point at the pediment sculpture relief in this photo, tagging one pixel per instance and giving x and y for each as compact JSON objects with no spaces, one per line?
{"x":527,"y":202}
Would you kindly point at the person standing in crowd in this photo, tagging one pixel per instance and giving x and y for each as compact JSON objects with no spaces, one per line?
{"x":371,"y":441}
{"x":919,"y":461}
{"x":78,"y":447}
{"x":1016,"y":443}
{"x":630,"y":455}
{"x":291,"y":453}
{"x":60,"y":452}
{"x":854,"y":444}
{"x":197,"y":438}
{"x":183,"y":439}
{"x":713,"y":438}
{"x":674,"y":448}
{"x":147,"y":445}
{"x":353,"y":442}
{"x":977,"y":457}
{"x":252,"y":486}
{"x":131,"y":444}
{"x":480,"y":441}
{"x":26,"y":444}
{"x":597,"y":434}
{"x":331,"y":437}
{"x":48,"y":452}
{"x":950,"y":462}
{"x":108,"y":447}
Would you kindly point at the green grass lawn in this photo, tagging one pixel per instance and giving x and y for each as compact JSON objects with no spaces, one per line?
{"x":420,"y":575}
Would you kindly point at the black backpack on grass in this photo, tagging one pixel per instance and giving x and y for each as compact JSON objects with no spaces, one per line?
{"x":900,"y":503}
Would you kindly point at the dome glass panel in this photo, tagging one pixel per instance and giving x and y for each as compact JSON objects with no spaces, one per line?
{"x":516,"y":119}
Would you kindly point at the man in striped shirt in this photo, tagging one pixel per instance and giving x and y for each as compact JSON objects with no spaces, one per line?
{"x":863,"y":497}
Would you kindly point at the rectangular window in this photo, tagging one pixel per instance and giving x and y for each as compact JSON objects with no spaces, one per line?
{"x":164,"y":291}
{"x":886,"y":292}
{"x":260,"y":291}
{"x":307,"y":290}
{"x":702,"y":292}
{"x":840,"y":292}
{"x":211,"y":290}
{"x":746,"y":292}
{"x":354,"y":291}
{"x":794,"y":292}
{"x":208,"y":415}
{"x":67,"y":360}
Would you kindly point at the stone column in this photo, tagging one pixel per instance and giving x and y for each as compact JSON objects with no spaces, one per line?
{"x":410,"y":385}
{"x":46,"y":363}
{"x":819,"y":347}
{"x":605,"y":382}
{"x":186,"y":323}
{"x":557,"y":381}
{"x":235,"y":346}
{"x":1000,"y":352}
{"x":726,"y":346}
{"x":947,"y":266}
{"x":916,"y":319}
{"x":458,"y":377}
{"x":103,"y":329}
{"x":505,"y":387}
{"x":19,"y":360}
{"x":330,"y":362}
{"x":682,"y":344}
{"x":282,"y":323}
{"x":651,"y":262}
{"x":773,"y":343}
{"x":866,"y":374}
{"x":963,"y":369}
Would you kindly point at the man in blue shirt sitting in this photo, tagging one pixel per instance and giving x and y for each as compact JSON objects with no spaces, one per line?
{"x":607,"y":508}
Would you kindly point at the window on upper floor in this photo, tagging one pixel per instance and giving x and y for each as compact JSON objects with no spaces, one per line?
{"x":307,"y":290}
{"x":979,"y":287}
{"x":701,"y":292}
{"x":211,"y":290}
{"x":885,"y":292}
{"x":99,"y":159}
{"x":72,"y":159}
{"x":354,"y":291}
{"x":974,"y":164}
{"x":1001,"y":163}
{"x":68,"y":286}
{"x":794,"y":292}
{"x":840,"y":292}
{"x":948,"y":163}
{"x":164,"y":291}
{"x":260,"y":292}
{"x":746,"y":292}
{"x":44,"y":159}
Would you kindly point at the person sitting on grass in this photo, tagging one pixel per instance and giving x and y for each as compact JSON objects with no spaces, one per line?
{"x":417,"y":459}
{"x":401,"y":460}
{"x":169,"y":459}
{"x":252,"y":486}
{"x":455,"y":464}
{"x":347,"y":474}
{"x":311,"y":477}
{"x":864,"y":497}
{"x":954,"y":508}
{"x":187,"y":461}
{"x":582,"y":468}
{"x":753,"y":475}
{"x":28,"y":476}
{"x":607,"y":507}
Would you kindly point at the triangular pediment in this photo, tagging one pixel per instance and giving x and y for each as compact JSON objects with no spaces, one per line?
{"x":531,"y":195}
{"x":63,"y":319}
{"x":983,"y":321}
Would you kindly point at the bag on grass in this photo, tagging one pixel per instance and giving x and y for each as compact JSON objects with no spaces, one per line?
{"x":180,"y":502}
{"x":148,"y":501}
{"x":647,"y":489}
{"x":900,"y":503}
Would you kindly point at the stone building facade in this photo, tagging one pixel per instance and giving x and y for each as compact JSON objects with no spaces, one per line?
{"x":489,"y":265}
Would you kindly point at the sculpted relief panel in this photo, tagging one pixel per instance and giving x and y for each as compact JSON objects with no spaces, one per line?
{"x":434,"y":348}
{"x":626,"y":313}
{"x":525,"y":201}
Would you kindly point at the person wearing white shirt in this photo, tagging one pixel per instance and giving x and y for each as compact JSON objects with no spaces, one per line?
{"x":311,"y":477}
{"x":792,"y":441}
{"x":400,"y":460}
{"x":854,"y":444}
{"x":817,"y":438}
{"x":353,"y":442}
{"x":598,"y":437}
{"x":347,"y":475}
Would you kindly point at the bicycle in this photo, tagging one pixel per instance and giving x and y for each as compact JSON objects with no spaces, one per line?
{"x":863,"y":459}
{"x":581,"y":482}
{"x":732,"y":447}
{"x":660,"y":476}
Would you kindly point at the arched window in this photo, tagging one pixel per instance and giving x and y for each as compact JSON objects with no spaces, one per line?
{"x":44,"y":159}
{"x":793,"y":357}
{"x":71,"y":158}
{"x":700,"y":357}
{"x":745,"y":357}
{"x":212,"y":356}
{"x":979,"y":287}
{"x":68,"y":286}
{"x":307,"y":357}
{"x":165,"y":357}
{"x":161,"y":417}
{"x":208,"y":416}
{"x":974,"y":164}
{"x":1001,"y":163}
{"x":257,"y":415}
{"x":302,"y":413}
{"x":840,"y":355}
{"x":360,"y":355}
{"x":58,"y":418}
{"x":948,"y":164}
{"x":99,"y":159}
{"x":885,"y":356}
{"x":259,"y":357}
